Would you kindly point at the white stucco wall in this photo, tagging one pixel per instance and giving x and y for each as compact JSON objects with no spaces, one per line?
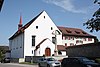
{"x":43,"y":31}
{"x":63,"y":53}
{"x":74,"y":41}
{"x":47,"y":44}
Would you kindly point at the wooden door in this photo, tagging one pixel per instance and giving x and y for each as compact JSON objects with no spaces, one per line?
{"x":47,"y":52}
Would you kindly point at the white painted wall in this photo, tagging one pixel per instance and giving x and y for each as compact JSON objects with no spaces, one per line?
{"x":21,"y":46}
{"x":43,"y":31}
{"x":47,"y":44}
{"x":74,"y":41}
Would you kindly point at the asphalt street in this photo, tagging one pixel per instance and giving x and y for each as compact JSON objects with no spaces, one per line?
{"x":16,"y":65}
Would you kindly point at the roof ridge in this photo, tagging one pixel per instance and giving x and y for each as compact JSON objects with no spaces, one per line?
{"x":69,"y":27}
{"x":74,"y":31}
{"x":41,"y":43}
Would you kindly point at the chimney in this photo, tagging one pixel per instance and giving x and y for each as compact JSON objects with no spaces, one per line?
{"x":20,"y":23}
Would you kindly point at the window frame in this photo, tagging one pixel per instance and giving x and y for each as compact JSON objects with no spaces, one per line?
{"x":33,"y":40}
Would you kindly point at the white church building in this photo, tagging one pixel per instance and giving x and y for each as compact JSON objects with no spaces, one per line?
{"x":41,"y":36}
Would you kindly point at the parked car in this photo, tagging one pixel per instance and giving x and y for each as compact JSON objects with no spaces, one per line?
{"x":49,"y":62}
{"x":5,"y":60}
{"x":78,"y":62}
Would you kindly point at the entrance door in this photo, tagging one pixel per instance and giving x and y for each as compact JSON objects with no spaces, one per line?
{"x":47,"y":52}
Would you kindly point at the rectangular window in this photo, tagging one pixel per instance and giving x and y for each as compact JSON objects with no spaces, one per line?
{"x":32,"y":51}
{"x":51,"y":28}
{"x":89,"y":39}
{"x":72,"y":38}
{"x":53,"y":40}
{"x":36,"y":27}
{"x":63,"y":37}
{"x":84,"y":39}
{"x":77,"y":41}
{"x":33,"y":40}
{"x":67,"y":37}
{"x":65,"y":44}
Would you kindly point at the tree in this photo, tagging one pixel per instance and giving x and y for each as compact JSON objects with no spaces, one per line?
{"x":94,"y":22}
{"x":2,"y":52}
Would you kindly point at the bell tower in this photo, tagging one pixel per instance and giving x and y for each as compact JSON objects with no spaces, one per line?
{"x":20,"y":23}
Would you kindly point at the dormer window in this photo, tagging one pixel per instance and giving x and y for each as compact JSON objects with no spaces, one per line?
{"x":44,"y":17}
{"x":83,"y":32}
{"x":68,"y":31}
{"x":77,"y":32}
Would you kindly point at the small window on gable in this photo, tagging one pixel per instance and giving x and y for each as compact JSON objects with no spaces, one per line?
{"x":51,"y":28}
{"x":44,"y":17}
{"x":36,"y":27}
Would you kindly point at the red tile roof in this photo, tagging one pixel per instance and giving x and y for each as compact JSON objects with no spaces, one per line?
{"x":74,"y":32}
{"x":61,"y":47}
{"x":38,"y":46}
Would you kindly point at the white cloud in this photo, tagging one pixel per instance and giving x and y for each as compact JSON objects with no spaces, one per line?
{"x":66,"y":5}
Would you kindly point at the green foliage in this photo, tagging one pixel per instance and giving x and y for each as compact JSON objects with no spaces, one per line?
{"x":94,"y":22}
{"x":2,"y":52}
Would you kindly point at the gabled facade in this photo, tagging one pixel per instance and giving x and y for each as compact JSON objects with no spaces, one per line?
{"x":41,"y":37}
{"x":75,"y":36}
{"x":35,"y":38}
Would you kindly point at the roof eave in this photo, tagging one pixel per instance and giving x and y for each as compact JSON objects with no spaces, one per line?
{"x":79,"y":35}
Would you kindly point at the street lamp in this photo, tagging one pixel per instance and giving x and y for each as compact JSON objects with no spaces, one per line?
{"x":56,"y":32}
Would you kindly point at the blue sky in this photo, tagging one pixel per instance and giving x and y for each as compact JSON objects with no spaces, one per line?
{"x":67,"y":13}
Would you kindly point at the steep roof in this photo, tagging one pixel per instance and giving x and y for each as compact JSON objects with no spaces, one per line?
{"x":38,"y":46}
{"x":24,"y":27}
{"x":74,"y":32}
{"x":59,"y":47}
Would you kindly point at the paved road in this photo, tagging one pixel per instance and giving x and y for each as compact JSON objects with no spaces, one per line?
{"x":16,"y":65}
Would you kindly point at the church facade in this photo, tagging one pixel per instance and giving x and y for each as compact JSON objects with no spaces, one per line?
{"x":41,"y":36}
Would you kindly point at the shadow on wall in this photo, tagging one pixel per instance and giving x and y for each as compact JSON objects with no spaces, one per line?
{"x":87,"y":50}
